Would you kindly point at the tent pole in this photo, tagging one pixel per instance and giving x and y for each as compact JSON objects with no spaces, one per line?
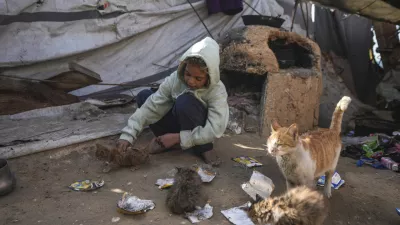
{"x":294,"y":14}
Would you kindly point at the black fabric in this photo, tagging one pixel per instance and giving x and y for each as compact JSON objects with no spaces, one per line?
{"x":130,"y":85}
{"x":56,"y":16}
{"x":186,"y":114}
{"x":349,"y":37}
{"x":229,"y":7}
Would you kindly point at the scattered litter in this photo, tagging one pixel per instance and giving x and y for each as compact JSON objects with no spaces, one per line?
{"x":371,"y":162}
{"x":207,"y":174}
{"x":238,"y":215}
{"x":200,"y":214}
{"x":348,"y":141}
{"x":86,"y":185}
{"x":247,"y":161}
{"x":396,"y":133}
{"x":394,"y":149}
{"x":378,"y":150}
{"x":115,"y":219}
{"x":130,"y":204}
{"x":337,"y":181}
{"x":350,"y":134}
{"x":390,"y":164}
{"x":258,"y":184}
{"x":353,"y":151}
{"x":373,"y":149}
{"x":165,"y":183}
{"x":398,"y":211}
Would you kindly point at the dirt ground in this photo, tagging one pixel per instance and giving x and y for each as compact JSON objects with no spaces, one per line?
{"x":42,"y":197}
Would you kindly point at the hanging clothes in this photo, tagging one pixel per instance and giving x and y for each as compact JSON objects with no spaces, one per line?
{"x":229,"y":7}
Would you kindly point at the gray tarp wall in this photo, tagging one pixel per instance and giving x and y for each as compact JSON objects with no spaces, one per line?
{"x":122,"y":46}
{"x":351,"y":38}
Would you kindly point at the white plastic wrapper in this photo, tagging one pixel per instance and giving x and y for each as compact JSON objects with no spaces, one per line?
{"x":247,"y":161}
{"x":337,"y":181}
{"x":206,"y":174}
{"x":238,"y":215}
{"x":258,"y":184}
{"x":200,"y":214}
{"x":130,"y":204}
{"x":165,"y":183}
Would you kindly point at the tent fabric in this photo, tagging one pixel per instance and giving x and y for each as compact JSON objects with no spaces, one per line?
{"x":349,"y":37}
{"x":383,"y":10}
{"x":54,"y":127}
{"x":41,"y":41}
{"x":15,"y":7}
{"x":134,"y":45}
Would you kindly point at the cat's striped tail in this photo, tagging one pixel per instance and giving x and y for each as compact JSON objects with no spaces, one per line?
{"x":337,"y":116}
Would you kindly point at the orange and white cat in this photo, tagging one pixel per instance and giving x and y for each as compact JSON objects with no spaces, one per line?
{"x":303,"y":159}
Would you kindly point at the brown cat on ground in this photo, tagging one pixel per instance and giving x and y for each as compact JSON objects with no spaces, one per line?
{"x":300,"y":205}
{"x":304,"y":158}
{"x":186,"y":192}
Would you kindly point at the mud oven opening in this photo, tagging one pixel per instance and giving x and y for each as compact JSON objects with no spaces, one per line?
{"x":244,"y":98}
{"x":247,"y":92}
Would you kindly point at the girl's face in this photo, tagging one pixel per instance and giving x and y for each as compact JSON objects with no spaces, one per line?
{"x":194,"y":77}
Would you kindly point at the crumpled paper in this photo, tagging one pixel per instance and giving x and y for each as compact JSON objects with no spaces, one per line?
{"x":130,"y":204}
{"x":258,"y":184}
{"x":165,"y":183}
{"x":200,"y":214}
{"x":206,"y":174}
{"x":238,"y":215}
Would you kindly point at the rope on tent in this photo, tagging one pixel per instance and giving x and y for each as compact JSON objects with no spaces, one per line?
{"x":66,"y":82}
{"x":200,"y":19}
{"x":252,"y":8}
{"x":296,"y":4}
{"x":368,"y":5}
{"x":305,"y":20}
{"x":308,"y":18}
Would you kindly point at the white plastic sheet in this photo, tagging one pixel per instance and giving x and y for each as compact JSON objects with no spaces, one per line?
{"x":120,"y":49}
{"x":14,"y":7}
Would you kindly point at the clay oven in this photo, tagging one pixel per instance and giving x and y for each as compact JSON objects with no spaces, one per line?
{"x":268,"y":74}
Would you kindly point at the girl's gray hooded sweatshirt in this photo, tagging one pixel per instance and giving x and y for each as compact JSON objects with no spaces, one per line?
{"x":213,"y":96}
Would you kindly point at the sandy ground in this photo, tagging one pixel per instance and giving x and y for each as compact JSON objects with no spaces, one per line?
{"x":42,"y":197}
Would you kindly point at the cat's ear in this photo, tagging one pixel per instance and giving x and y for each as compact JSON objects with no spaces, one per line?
{"x":293,"y":131}
{"x":258,"y":198}
{"x":275,"y":125}
{"x":178,"y":169}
